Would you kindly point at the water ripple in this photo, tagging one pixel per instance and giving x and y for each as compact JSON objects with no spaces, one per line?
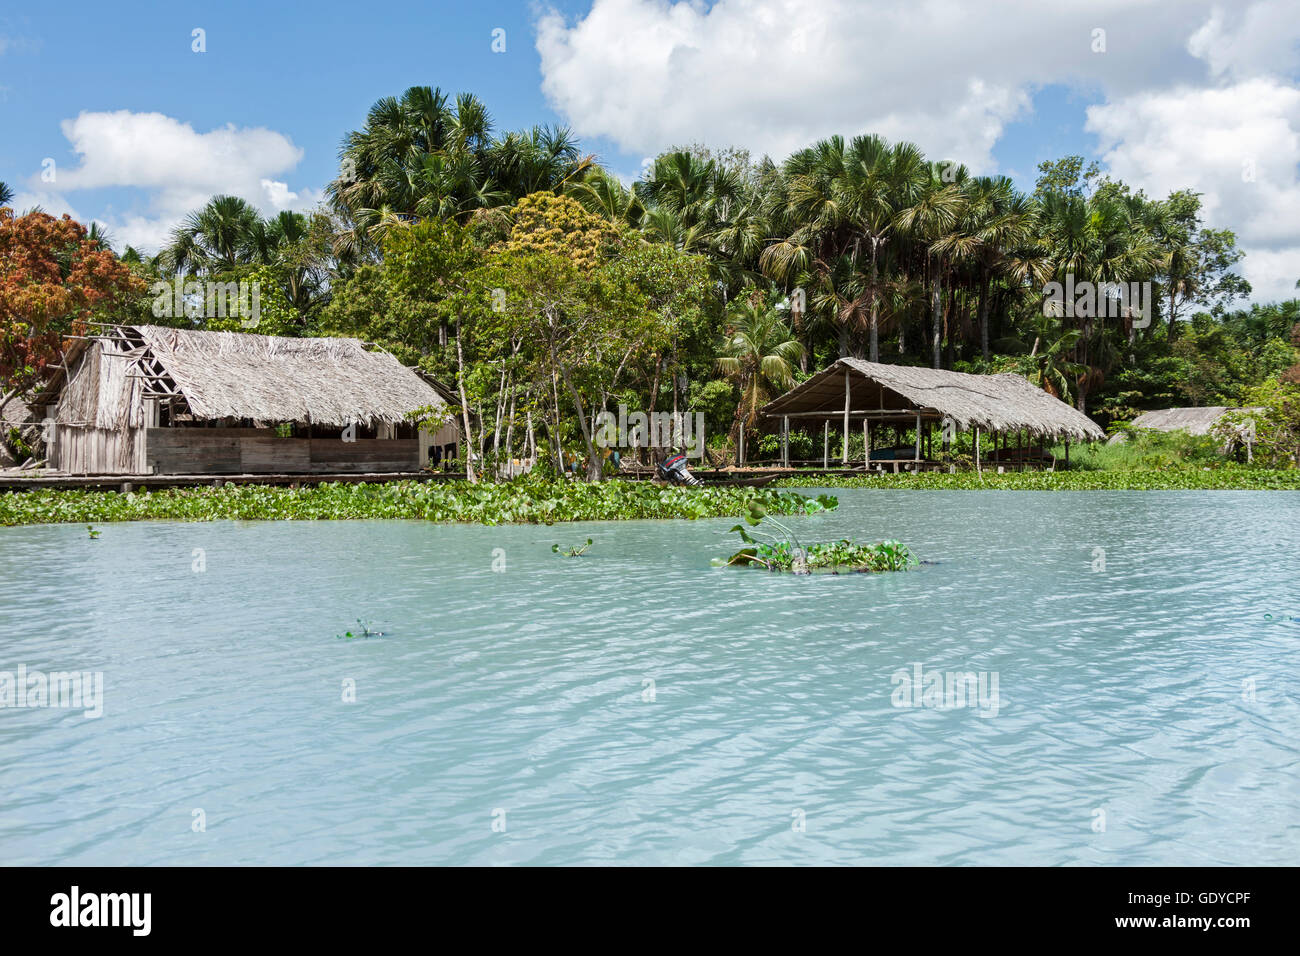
{"x":636,"y":706}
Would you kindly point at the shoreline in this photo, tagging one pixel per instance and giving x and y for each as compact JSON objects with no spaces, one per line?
{"x":552,"y":502}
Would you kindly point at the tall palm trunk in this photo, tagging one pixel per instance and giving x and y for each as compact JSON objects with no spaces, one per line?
{"x":935,"y":317}
{"x":984,"y":316}
{"x":875,"y":299}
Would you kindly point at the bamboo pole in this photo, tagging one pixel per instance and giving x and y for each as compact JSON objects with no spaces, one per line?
{"x":845,"y":461}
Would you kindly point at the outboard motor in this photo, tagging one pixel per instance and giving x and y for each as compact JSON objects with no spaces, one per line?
{"x":674,"y":471}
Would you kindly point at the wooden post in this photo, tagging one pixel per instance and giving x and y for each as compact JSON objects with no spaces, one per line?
{"x":846,"y":418}
{"x":1067,"y":454}
{"x":866,"y":445}
{"x":785,"y":440}
{"x":1020,"y":449}
{"x":918,"y":438}
{"x":978,"y":467}
{"x":826,"y":445}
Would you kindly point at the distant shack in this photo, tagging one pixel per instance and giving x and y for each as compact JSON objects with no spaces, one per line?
{"x":149,"y":400}
{"x":1194,"y":421}
{"x":1203,"y":421}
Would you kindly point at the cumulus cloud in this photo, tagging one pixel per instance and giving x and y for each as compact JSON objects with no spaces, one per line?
{"x":773,"y":75}
{"x":177,"y":168}
{"x":1236,"y":139}
{"x":1185,"y":91}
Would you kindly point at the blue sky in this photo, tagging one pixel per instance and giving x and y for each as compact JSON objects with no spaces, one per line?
{"x":1181,"y":94}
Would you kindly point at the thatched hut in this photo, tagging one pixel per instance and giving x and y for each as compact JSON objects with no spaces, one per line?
{"x":141,"y":400}
{"x":1202,"y":421}
{"x":853,"y":391}
{"x":1194,"y":421}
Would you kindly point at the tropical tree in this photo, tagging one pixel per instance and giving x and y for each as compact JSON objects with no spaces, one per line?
{"x":220,"y":236}
{"x":419,"y":156}
{"x":757,"y":351}
{"x":53,"y":279}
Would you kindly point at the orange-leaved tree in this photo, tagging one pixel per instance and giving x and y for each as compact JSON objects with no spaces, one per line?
{"x":53,"y":280}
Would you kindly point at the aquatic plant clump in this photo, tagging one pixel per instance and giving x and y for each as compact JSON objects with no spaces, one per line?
{"x":841,"y":556}
{"x":574,"y":552}
{"x":518,"y":502}
{"x":782,"y":551}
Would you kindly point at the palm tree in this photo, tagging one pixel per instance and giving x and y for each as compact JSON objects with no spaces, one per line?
{"x":600,"y":192}
{"x":1001,"y":224}
{"x":1098,"y":239}
{"x":6,"y":194}
{"x":97,"y":233}
{"x":416,"y":156}
{"x":758,"y":350}
{"x":932,"y":220}
{"x":419,"y":157}
{"x":1048,"y":364}
{"x":220,"y":236}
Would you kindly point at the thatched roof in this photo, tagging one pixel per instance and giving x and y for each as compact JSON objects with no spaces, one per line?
{"x":1004,"y":402}
{"x":1194,"y":421}
{"x":221,"y":375}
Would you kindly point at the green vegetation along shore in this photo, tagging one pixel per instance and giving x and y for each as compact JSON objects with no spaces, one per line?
{"x":547,"y":502}
{"x":1189,"y":479}
{"x":522,"y":502}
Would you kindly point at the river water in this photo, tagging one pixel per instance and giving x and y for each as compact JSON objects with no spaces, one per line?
{"x":1139,"y":652}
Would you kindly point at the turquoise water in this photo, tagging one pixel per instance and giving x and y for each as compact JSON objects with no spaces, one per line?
{"x":520,"y":698}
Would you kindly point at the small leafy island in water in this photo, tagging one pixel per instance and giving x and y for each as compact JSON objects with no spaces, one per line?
{"x":364,"y":629}
{"x":784,"y":552}
{"x":90,"y":529}
{"x":570,"y":552}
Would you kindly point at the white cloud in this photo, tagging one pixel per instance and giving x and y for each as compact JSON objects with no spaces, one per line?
{"x":1259,"y":39}
{"x":1238,"y":145}
{"x":774,"y":75}
{"x":1186,"y":91}
{"x":178,"y":168}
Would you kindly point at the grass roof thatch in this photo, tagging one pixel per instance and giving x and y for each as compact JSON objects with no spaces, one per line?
{"x":237,"y":375}
{"x":1004,"y":402}
{"x":1194,"y":421}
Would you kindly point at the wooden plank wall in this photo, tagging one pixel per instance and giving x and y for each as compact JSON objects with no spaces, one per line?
{"x":82,"y":450}
{"x":218,"y":451}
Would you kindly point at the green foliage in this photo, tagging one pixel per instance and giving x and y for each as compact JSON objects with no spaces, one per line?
{"x":1275,"y":429}
{"x":1145,"y":449}
{"x":544,"y":222}
{"x":523,"y":501}
{"x":782,"y":550}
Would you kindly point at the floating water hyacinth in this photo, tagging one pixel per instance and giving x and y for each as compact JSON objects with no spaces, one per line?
{"x":784,"y":552}
{"x":364,"y":629}
{"x":571,"y":552}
